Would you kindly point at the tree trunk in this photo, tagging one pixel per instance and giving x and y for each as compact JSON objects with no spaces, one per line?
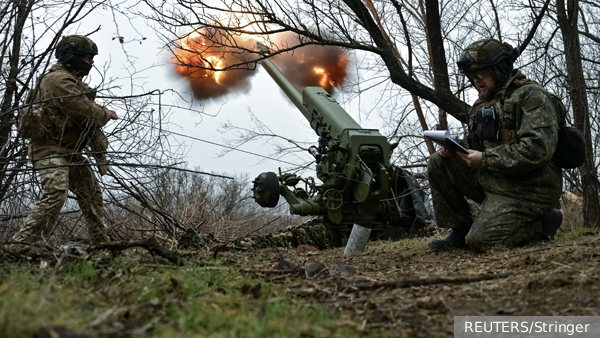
{"x":441,"y":83}
{"x":568,"y":20}
{"x":7,"y":120}
{"x":441,"y":98}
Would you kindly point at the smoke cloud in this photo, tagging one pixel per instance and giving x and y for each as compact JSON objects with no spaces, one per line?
{"x":322,"y":66}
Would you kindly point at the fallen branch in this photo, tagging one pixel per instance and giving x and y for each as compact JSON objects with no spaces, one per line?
{"x":271,"y":271}
{"x":150,"y":244}
{"x":553,"y":247}
{"x":369,"y":285}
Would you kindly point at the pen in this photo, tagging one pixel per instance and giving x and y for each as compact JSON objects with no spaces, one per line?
{"x":454,"y":139}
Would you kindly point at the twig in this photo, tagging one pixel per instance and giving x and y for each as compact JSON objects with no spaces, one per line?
{"x":369,"y":285}
{"x":550,"y":248}
{"x":262,"y":227}
{"x":49,"y":285}
{"x":150,"y":244}
{"x":196,"y":268}
{"x":201,"y":239}
{"x":271,"y":271}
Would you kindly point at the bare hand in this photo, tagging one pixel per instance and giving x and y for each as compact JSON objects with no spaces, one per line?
{"x":112,"y":114}
{"x":444,"y":152}
{"x":474,"y":159}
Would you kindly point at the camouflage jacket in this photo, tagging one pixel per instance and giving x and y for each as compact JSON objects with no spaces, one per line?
{"x":71,"y":118}
{"x":520,"y":165}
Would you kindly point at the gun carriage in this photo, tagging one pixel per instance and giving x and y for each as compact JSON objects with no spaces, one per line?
{"x":359,"y":184}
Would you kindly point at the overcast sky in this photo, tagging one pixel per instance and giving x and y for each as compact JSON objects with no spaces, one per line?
{"x":265,"y":99}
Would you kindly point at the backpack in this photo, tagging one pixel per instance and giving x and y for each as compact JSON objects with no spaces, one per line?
{"x":31,"y":122}
{"x":570,"y":150}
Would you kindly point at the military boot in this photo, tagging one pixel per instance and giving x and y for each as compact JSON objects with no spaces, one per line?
{"x":455,"y":240}
{"x":550,"y":224}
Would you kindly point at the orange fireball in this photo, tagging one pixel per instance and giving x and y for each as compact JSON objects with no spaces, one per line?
{"x":328,"y":65}
{"x":200,"y":57}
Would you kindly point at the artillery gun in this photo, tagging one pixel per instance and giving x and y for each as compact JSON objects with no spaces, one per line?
{"x":359,"y":184}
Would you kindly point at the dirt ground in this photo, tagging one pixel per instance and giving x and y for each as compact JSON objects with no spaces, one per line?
{"x":550,"y":278}
{"x":369,"y":293}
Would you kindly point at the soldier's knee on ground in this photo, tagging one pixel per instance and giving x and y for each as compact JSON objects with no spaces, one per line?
{"x":475,"y":242}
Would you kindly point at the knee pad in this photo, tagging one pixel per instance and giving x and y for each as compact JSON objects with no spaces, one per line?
{"x":474,"y":242}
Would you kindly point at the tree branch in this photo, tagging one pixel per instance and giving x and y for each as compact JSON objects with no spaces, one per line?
{"x":150,"y":244}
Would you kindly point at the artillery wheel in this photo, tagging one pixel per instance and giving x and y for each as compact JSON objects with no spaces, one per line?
{"x":266,"y":190}
{"x":333,"y":199}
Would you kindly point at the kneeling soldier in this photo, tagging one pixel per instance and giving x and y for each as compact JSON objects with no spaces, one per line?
{"x":513,"y":132}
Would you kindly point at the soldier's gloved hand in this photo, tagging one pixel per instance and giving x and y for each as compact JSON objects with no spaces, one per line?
{"x":444,"y":152}
{"x":474,"y":158}
{"x":112,"y":114}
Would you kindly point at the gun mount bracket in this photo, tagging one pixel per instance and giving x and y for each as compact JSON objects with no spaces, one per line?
{"x":333,"y":199}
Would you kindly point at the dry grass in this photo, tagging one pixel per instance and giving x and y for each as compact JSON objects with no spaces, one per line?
{"x":561,"y":277}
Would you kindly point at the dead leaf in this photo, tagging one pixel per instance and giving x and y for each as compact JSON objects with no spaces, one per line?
{"x":314,"y":269}
{"x":285,"y":265}
{"x":219,"y":247}
{"x":346,"y":268}
{"x":302,"y":291}
{"x":309,"y":249}
{"x":306,"y":248}
{"x":432,"y":303}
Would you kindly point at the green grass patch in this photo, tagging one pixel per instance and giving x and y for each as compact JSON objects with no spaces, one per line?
{"x":123,"y":297}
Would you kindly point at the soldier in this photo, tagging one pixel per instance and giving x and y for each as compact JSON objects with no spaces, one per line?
{"x":513,"y":132}
{"x":69,"y":120}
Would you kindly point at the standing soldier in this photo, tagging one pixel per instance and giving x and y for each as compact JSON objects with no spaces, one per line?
{"x":513,"y":133}
{"x":66,"y":120}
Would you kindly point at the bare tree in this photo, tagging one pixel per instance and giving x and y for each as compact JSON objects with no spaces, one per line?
{"x":568,"y":20}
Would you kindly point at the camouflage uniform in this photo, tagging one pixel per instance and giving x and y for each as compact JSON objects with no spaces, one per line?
{"x":71,"y":121}
{"x":518,"y":182}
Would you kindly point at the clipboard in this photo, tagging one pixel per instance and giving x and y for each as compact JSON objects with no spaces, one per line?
{"x":443,"y":138}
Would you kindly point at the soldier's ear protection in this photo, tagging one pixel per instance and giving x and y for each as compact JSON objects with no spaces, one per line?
{"x":66,"y":56}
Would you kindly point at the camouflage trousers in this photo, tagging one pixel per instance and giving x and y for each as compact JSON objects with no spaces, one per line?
{"x":501,"y":220}
{"x":58,"y":175}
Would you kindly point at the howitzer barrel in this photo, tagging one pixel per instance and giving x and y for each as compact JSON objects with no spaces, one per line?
{"x":285,"y":85}
{"x":323,"y":113}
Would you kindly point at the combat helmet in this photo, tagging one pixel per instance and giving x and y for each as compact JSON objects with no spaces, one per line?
{"x":71,"y":51}
{"x":490,"y":54}
{"x":72,"y":45}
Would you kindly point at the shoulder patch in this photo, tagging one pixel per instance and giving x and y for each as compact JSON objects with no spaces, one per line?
{"x":532,"y":103}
